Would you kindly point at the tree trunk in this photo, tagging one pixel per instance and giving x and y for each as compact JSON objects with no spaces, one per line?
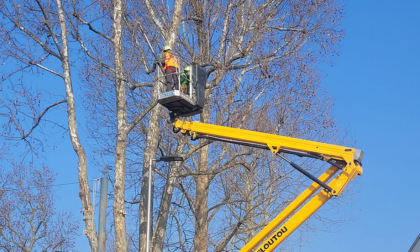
{"x":165,"y":203}
{"x":202,"y":190}
{"x":121,"y":143}
{"x":88,"y":212}
{"x":152,"y":139}
{"x":201,"y":207}
{"x":150,"y":153}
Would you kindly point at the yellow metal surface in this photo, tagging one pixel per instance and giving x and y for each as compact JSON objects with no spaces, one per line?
{"x":309,"y":208}
{"x":294,"y":222}
{"x":274,"y":142}
{"x":280,"y":218}
{"x":303,"y":206}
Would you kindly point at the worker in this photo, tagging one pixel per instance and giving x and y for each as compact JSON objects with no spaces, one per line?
{"x":170,"y":68}
{"x":185,"y":80}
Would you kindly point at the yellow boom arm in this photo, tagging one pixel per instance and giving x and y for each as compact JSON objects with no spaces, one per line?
{"x":346,"y":159}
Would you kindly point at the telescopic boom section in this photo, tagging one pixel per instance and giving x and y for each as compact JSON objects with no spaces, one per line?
{"x":275,"y":143}
{"x":310,"y":200}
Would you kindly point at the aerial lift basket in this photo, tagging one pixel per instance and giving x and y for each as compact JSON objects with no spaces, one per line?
{"x":184,"y":104}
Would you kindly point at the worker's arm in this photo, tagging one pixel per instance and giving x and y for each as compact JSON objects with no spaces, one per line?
{"x":162,"y":58}
{"x":153,"y":68}
{"x":160,"y":62}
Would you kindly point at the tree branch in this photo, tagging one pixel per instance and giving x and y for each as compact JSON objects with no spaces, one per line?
{"x":220,"y":247}
{"x":40,"y":116}
{"x":77,"y":16}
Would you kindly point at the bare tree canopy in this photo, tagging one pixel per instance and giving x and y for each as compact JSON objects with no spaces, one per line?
{"x":28,"y":217}
{"x":261,"y":60}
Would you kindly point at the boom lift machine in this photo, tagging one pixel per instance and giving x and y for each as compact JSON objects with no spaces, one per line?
{"x":345,"y":161}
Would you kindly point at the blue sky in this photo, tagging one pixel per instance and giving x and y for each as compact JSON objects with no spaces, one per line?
{"x":375,"y":83}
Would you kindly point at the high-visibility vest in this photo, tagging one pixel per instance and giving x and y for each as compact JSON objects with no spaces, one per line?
{"x":170,"y":61}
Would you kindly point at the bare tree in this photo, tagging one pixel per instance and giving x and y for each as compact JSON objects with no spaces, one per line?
{"x":46,"y":43}
{"x":261,"y":63}
{"x":169,"y":32}
{"x":260,"y":59}
{"x":28,"y":218}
